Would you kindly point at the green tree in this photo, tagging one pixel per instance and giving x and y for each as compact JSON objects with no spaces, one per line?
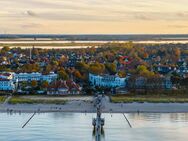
{"x":141,"y":68}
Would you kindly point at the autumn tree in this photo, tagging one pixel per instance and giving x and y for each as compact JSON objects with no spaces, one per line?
{"x":82,"y":67}
{"x":111,"y":68}
{"x":44,"y":84}
{"x":35,"y":51}
{"x":63,"y":75}
{"x":34,"y":83}
{"x":122,"y":74}
{"x":77,"y":74}
{"x":30,"y":68}
{"x":5,"y":49}
{"x":47,"y":69}
{"x":97,"y":68}
{"x":177,"y":52}
{"x":145,"y":55}
{"x":129,"y":45}
{"x":143,"y":71}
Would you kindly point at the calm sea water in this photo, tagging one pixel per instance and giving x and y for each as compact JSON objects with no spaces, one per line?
{"x":78,"y":127}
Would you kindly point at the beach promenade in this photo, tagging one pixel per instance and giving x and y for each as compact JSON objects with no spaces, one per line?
{"x":85,"y":105}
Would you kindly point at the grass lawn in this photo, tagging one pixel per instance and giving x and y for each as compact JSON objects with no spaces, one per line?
{"x":2,"y":99}
{"x":183,"y":98}
{"x":51,"y":44}
{"x":20,"y":100}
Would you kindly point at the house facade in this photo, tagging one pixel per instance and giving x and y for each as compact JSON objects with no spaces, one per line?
{"x":9,"y":81}
{"x":6,"y":85}
{"x":107,"y":81}
{"x":63,"y":87}
{"x":6,"y":81}
{"x":150,"y":83}
{"x":20,"y":77}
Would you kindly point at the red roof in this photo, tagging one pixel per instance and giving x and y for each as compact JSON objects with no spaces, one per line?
{"x":69,"y":84}
{"x":58,"y":84}
{"x":5,"y":74}
{"x":72,"y":85}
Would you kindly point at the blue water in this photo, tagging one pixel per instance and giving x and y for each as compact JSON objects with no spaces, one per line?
{"x":77,"y":127}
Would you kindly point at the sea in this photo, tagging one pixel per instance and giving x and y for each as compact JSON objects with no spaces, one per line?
{"x":78,"y":127}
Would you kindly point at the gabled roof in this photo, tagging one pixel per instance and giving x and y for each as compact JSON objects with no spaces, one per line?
{"x":69,"y":84}
{"x":72,"y":85}
{"x":58,"y":84}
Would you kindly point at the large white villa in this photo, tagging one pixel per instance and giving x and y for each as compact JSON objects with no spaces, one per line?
{"x":8,"y":81}
{"x":34,"y":76}
{"x":6,"y":85}
{"x":107,"y":80}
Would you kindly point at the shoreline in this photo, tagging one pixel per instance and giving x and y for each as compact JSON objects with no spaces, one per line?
{"x":87,"y":107}
{"x":61,"y":44}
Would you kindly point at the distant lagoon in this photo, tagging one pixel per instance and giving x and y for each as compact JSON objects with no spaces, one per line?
{"x":44,"y":40}
{"x":30,"y":40}
{"x":44,"y":43}
{"x":98,"y":37}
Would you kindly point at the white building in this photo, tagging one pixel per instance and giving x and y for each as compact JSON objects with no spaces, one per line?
{"x":9,"y":81}
{"x":107,"y":80}
{"x":50,"y":77}
{"x":6,"y":85}
{"x":35,"y":76}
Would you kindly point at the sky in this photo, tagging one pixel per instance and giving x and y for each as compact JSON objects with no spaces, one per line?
{"x":94,"y":16}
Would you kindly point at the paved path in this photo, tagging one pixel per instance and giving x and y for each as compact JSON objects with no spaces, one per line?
{"x":7,"y":100}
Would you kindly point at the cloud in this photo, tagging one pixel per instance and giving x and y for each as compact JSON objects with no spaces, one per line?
{"x":142,"y":16}
{"x":31,"y":25}
{"x":160,"y":16}
{"x":31,"y":13}
{"x":183,"y":14}
{"x":115,"y":16}
{"x":92,"y":10}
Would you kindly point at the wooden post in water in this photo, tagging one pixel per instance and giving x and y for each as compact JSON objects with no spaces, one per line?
{"x":127,"y":120}
{"x":29,"y":120}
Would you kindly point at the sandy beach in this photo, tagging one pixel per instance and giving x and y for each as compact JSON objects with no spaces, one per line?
{"x":86,"y":105}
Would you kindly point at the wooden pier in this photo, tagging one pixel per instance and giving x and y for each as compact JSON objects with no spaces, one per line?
{"x":98,"y":122}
